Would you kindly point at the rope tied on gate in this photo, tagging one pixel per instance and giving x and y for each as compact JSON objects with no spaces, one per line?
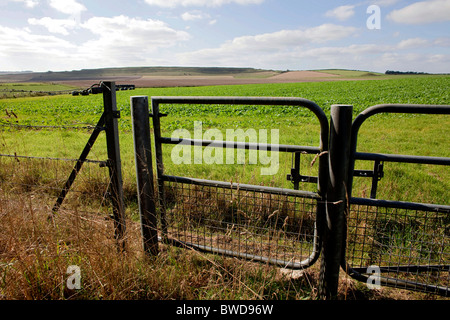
{"x":317,"y":156}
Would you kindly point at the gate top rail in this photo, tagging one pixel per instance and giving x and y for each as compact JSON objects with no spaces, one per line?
{"x":392,"y":108}
{"x":399,"y":108}
{"x":273,"y":101}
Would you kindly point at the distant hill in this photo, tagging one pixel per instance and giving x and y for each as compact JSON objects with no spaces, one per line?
{"x":147,"y":77}
{"x":350,"y":73}
{"x":105,"y":73}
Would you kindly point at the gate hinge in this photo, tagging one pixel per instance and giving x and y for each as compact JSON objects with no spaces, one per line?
{"x":376,"y":174}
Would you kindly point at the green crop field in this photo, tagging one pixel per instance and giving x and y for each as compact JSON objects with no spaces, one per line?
{"x":29,"y":89}
{"x":402,"y":134}
{"x":176,"y":274}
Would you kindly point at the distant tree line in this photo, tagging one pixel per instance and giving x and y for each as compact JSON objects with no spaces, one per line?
{"x":403,"y":72}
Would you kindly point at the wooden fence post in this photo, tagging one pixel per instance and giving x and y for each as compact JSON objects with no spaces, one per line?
{"x":144,"y":173}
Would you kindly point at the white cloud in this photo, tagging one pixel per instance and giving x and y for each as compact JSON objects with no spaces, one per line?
{"x":199,"y":3}
{"x":19,"y":47}
{"x":413,"y":43}
{"x":286,"y":38}
{"x":17,"y":40}
{"x":292,"y":49}
{"x":341,"y":13}
{"x":59,"y":26}
{"x":384,"y":3}
{"x":122,"y":29}
{"x":115,"y":41}
{"x":372,"y":58}
{"x":422,"y":12}
{"x":122,"y":39}
{"x":194,"y":15}
{"x":71,"y":7}
{"x":28,"y":3}
{"x":268,"y":46}
{"x":442,"y":42}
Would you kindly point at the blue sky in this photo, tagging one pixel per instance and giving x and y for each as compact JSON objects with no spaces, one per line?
{"x":56,"y":35}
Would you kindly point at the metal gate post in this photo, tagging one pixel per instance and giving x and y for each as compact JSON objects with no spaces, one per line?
{"x":114,"y":162}
{"x":337,"y":200}
{"x":144,"y":173}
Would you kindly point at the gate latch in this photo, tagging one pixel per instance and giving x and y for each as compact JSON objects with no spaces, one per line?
{"x":295,"y":175}
{"x":161,"y":115}
{"x":377,"y":174}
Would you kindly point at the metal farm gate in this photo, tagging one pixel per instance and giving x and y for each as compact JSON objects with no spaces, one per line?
{"x":381,"y":242}
{"x":260,"y":223}
{"x":393,"y":243}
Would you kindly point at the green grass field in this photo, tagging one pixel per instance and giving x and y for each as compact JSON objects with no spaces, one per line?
{"x":29,"y":273}
{"x":29,"y":89}
{"x":401,"y":134}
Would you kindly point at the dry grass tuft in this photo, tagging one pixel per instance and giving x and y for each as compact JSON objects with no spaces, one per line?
{"x":36,"y":251}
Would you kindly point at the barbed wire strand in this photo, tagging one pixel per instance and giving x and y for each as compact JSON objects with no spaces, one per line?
{"x":50,"y":158}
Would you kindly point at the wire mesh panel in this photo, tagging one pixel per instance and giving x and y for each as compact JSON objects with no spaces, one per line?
{"x":264,"y":227}
{"x":409,"y":248}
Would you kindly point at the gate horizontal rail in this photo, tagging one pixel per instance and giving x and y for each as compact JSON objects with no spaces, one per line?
{"x":402,"y":158}
{"x":400,"y":205}
{"x":243,"y":187}
{"x":245,"y":255}
{"x":241,"y":145}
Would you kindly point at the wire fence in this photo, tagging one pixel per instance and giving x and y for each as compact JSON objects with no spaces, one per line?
{"x":264,"y":227}
{"x":46,"y":177}
{"x":22,"y":173}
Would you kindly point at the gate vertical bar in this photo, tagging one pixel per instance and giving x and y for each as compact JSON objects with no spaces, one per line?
{"x":114,"y":162}
{"x":144,"y":173}
{"x":337,"y":200}
{"x":159,"y":166}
